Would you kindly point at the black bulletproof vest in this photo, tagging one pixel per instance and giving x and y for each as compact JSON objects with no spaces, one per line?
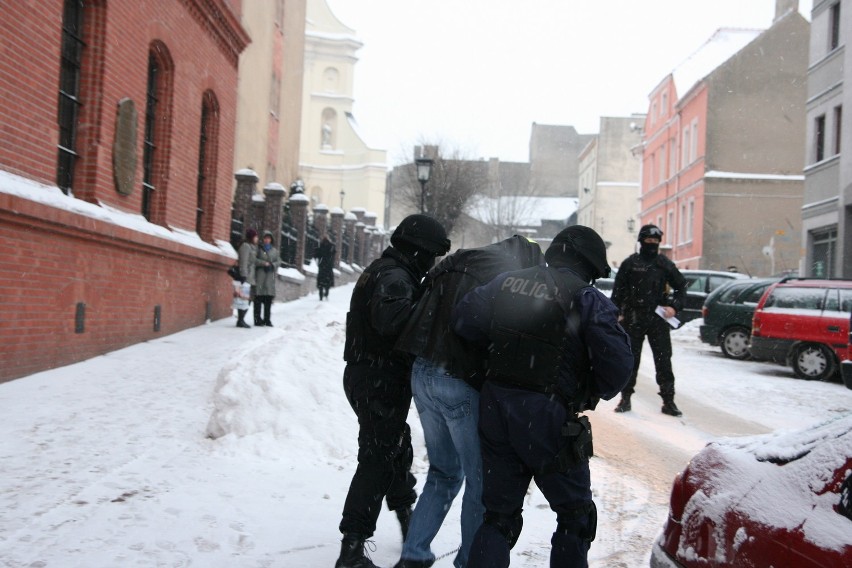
{"x":647,"y":282}
{"x":529,"y":334}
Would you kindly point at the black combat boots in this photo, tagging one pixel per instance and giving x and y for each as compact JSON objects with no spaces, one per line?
{"x":352,"y":553}
{"x":670,"y":408}
{"x":623,"y":404}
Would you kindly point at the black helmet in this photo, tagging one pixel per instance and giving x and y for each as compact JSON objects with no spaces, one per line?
{"x":650,"y":231}
{"x":422,"y":232}
{"x":582,"y":242}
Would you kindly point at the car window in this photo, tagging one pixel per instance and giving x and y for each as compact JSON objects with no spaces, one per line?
{"x":716,"y":281}
{"x":831,"y":301}
{"x":753,"y":295}
{"x":695,"y":282}
{"x":730,"y":294}
{"x":798,"y":298}
{"x":845,"y":300}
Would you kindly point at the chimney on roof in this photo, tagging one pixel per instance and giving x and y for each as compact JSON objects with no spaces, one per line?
{"x":784,"y":6}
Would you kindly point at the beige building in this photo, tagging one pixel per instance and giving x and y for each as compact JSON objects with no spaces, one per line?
{"x":269,"y":98}
{"x":337,"y":166}
{"x":827,"y":207}
{"x":609,"y":172}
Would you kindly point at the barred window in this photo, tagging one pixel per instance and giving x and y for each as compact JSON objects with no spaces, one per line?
{"x":69,"y":92}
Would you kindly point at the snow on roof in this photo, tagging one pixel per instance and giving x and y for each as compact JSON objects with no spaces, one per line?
{"x":521,"y":210}
{"x":721,"y":46}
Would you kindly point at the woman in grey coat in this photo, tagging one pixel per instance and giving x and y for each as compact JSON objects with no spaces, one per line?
{"x":247,"y":260}
{"x":268,"y":261}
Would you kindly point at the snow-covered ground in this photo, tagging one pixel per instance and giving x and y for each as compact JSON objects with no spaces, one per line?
{"x":220,"y":447}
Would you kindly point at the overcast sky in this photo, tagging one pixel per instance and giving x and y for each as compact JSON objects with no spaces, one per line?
{"x":475,"y":74}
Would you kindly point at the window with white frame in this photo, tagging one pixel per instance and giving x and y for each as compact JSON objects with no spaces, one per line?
{"x":690,"y":220}
{"x":838,"y":123}
{"x":669,"y":227}
{"x":685,"y":148}
{"x":681,"y":226}
{"x":672,"y":157}
{"x":662,"y":166}
{"x":693,"y":150}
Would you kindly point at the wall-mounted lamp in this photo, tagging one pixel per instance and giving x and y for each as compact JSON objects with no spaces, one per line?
{"x":586,"y":190}
{"x":631,"y":225}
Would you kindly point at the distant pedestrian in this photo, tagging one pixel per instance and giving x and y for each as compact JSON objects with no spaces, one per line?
{"x":377,"y":382}
{"x":554,"y":348}
{"x":268,"y":261}
{"x":645,"y":282}
{"x":324,"y":254}
{"x":247,"y":260}
{"x":447,"y":375}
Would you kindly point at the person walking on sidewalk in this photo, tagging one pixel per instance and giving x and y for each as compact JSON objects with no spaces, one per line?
{"x":639,"y":289}
{"x":324,"y":254}
{"x":445,"y":381}
{"x":554,"y":349}
{"x":377,"y":382}
{"x":268,"y":261}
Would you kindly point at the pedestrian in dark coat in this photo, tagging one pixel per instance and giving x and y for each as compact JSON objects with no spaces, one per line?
{"x":268,"y":261}
{"x":641,"y":286}
{"x":445,"y":381}
{"x":377,"y":382}
{"x":324,"y":254}
{"x":554,"y":348}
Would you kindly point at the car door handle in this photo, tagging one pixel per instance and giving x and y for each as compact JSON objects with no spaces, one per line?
{"x":834,"y":328}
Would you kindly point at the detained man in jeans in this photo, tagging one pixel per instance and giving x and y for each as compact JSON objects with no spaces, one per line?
{"x":445,"y":383}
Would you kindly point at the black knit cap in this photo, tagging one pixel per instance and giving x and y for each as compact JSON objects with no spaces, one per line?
{"x":422,"y":232}
{"x":580,"y":242}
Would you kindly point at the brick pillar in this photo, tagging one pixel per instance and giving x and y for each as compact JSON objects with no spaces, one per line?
{"x":349,"y":220}
{"x":273,"y":211}
{"x":362,"y":241}
{"x":299,"y":214}
{"x":321,"y":220}
{"x":336,"y":234}
{"x":359,"y":213}
{"x":245,"y":190}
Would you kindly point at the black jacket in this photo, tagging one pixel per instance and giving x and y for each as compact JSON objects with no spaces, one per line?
{"x":381,"y":304}
{"x":429,"y":333}
{"x":640,"y":284}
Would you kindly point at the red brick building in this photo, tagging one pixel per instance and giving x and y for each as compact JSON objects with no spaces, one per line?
{"x":116,"y":145}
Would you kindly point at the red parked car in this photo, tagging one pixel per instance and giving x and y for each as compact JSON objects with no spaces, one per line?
{"x":804,"y":323}
{"x":776,"y":500}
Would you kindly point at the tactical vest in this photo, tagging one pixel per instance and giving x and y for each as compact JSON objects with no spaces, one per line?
{"x":363,"y":342}
{"x":531,"y":328}
{"x":647,"y":282}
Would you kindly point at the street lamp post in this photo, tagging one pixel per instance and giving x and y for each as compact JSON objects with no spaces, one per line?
{"x":424,"y":170}
{"x":342,"y":195}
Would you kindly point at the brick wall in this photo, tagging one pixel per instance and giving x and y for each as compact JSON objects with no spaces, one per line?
{"x":52,"y":259}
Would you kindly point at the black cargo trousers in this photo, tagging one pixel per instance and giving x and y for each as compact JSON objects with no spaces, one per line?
{"x":380,"y":397}
{"x":639,"y":324}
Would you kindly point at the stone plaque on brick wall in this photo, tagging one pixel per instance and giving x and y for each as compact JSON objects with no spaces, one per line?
{"x":124,"y":147}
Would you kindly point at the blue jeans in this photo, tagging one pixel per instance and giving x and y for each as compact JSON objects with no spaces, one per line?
{"x":449,"y":413}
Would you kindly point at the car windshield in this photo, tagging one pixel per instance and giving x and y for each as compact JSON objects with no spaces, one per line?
{"x":730,"y":293}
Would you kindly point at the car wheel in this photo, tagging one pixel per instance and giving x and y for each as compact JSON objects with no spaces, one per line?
{"x":813,"y":362}
{"x":734,"y":343}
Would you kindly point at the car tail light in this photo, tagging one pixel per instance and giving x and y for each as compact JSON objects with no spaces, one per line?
{"x":755,"y":325}
{"x":704,"y":312}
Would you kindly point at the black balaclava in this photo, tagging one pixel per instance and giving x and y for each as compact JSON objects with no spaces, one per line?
{"x":422,"y":260}
{"x":649,"y":250}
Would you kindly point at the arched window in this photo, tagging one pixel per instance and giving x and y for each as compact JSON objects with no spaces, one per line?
{"x":69,"y":92}
{"x":208,"y":145}
{"x":157,"y":132}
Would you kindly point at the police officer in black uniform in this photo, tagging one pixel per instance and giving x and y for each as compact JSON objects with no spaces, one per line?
{"x":554,"y":348}
{"x":377,"y":382}
{"x":640,"y":286}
